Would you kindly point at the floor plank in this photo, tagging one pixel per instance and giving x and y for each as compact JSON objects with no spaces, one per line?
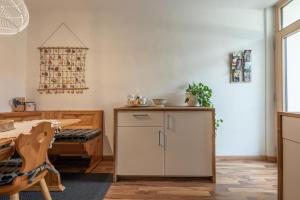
{"x":236,"y":180}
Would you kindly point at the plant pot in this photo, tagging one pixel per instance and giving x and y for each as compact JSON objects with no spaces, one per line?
{"x":192,"y":100}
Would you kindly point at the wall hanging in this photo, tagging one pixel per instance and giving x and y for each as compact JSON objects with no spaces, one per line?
{"x":62,"y":69}
{"x":241,"y":66}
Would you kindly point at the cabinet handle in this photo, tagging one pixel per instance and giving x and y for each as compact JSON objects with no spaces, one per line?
{"x":160,"y":142}
{"x":168,"y":121}
{"x":158,"y":138}
{"x":140,"y":115}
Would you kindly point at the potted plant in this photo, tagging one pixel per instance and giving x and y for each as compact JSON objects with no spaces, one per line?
{"x":198,"y":94}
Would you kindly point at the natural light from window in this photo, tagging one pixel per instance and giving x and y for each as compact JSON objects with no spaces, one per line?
{"x":293,"y":73}
{"x":290,"y":13}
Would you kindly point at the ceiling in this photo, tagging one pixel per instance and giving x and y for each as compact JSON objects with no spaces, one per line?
{"x":94,"y":4}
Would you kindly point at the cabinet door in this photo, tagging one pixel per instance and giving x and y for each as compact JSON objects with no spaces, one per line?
{"x":290,"y":128}
{"x":140,"y":151}
{"x":188,"y":149}
{"x":291,"y":173}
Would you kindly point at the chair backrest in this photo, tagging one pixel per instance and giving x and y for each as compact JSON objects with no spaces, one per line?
{"x":33,"y":148}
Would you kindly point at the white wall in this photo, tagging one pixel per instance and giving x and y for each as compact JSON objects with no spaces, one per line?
{"x":270,"y":83}
{"x":159,"y":48}
{"x":12,"y":68}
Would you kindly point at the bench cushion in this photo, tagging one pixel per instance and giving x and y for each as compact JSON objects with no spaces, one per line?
{"x":9,"y":170}
{"x":77,"y":135}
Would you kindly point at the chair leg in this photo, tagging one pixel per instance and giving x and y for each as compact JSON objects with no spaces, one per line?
{"x":14,"y":196}
{"x":45,"y":190}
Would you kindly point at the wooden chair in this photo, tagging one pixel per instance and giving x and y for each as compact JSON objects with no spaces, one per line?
{"x":33,"y":152}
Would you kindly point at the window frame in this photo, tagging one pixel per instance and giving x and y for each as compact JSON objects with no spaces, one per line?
{"x":280,"y":65}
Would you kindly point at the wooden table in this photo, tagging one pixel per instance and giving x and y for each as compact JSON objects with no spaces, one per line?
{"x":7,"y":149}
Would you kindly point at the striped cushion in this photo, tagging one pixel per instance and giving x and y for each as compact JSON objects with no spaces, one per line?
{"x":9,"y":170}
{"x":77,"y":135}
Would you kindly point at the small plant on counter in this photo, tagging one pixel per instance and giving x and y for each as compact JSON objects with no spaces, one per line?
{"x":200,"y":94}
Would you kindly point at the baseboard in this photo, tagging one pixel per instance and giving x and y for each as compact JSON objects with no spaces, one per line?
{"x":271,"y":159}
{"x":223,"y":158}
{"x":254,"y":158}
{"x":108,"y":158}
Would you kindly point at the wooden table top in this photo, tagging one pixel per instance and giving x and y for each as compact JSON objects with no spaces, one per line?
{"x":165,"y":108}
{"x":25,"y":127}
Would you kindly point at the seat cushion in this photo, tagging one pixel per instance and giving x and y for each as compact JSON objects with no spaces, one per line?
{"x":77,"y":135}
{"x":9,"y":170}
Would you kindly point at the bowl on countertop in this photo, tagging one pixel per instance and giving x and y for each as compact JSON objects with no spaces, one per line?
{"x":160,"y":102}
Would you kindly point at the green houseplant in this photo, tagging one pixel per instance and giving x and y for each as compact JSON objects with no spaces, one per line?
{"x":198,"y":94}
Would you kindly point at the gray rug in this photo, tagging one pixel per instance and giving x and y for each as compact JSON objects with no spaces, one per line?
{"x":78,"y":187}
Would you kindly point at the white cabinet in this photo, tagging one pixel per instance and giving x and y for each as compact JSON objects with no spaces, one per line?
{"x":169,"y":142}
{"x":140,"y":143}
{"x":140,"y":151}
{"x":290,"y":160}
{"x":291,"y":167}
{"x":188,"y":150}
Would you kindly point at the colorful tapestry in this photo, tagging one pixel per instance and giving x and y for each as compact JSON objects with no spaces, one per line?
{"x":62,"y":69}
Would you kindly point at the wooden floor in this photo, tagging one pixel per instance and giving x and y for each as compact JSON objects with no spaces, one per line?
{"x":236,"y":180}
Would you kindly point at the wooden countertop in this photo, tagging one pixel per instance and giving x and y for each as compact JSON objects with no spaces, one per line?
{"x":167,"y":108}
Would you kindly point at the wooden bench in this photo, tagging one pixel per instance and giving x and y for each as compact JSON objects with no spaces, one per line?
{"x":70,"y":151}
{"x":69,"y":148}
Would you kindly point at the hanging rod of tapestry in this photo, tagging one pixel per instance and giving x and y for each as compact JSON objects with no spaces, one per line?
{"x":70,"y":30}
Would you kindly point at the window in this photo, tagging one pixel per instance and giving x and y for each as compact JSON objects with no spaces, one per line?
{"x":290,"y":13}
{"x":292,"y":79}
{"x":287,"y":56}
